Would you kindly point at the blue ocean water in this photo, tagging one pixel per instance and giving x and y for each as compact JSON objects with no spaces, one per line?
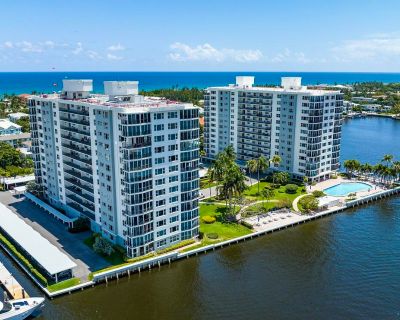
{"x":26,"y":82}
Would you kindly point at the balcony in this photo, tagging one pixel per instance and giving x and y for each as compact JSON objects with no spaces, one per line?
{"x":76,"y":156}
{"x":79,"y":205}
{"x":72,"y":147}
{"x":73,"y":111}
{"x":82,"y":122}
{"x":78,"y":191}
{"x":77,"y":182}
{"x":76,"y":174}
{"x":76,"y":130}
{"x":77,"y":166}
{"x":85,"y":140}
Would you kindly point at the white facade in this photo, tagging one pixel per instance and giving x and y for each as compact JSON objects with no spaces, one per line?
{"x":301,"y":125}
{"x":128,"y":163}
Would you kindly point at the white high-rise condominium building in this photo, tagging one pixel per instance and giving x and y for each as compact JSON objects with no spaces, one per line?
{"x":128,"y":163}
{"x":301,"y":125}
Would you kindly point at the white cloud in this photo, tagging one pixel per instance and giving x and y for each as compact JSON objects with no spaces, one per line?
{"x":26,"y":46}
{"x":289,"y":56}
{"x":93,"y":55}
{"x":8,"y":44}
{"x":373,"y":47}
{"x":78,"y":49}
{"x":206,"y":52}
{"x":116,"y":47}
{"x":113,"y":57}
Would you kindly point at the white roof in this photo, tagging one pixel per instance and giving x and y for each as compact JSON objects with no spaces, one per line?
{"x":18,"y":115}
{"x":6,"y":124}
{"x":19,"y":179}
{"x":45,"y":253}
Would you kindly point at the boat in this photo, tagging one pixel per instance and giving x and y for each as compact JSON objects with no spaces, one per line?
{"x":20,"y":309}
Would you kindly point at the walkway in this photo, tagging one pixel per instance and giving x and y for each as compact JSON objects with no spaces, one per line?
{"x":295,"y":201}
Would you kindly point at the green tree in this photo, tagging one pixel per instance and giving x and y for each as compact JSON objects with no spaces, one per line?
{"x":233,"y":184}
{"x":258,"y":165}
{"x":267,"y":194}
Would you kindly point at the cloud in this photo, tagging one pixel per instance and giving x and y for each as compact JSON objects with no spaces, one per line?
{"x":113,"y":57}
{"x":78,"y":49}
{"x":116,"y":47}
{"x":8,"y":44}
{"x":377,"y":46}
{"x":206,"y":52}
{"x":289,"y":56}
{"x":93,"y":55}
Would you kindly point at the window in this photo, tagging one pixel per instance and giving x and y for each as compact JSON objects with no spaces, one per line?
{"x":160,"y":192}
{"x":161,"y":223}
{"x":173,"y":229}
{"x":161,"y":213}
{"x":161,"y":233}
{"x":158,"y":138}
{"x":173,"y":158}
{"x":158,"y":127}
{"x":160,"y":203}
{"x":158,"y":116}
{"x":173,"y":189}
{"x":173,"y":168}
{"x":172,"y":136}
{"x":159,"y":171}
{"x":173,"y":199}
{"x":172,"y":147}
{"x":173,"y":179}
{"x":172,"y":125}
{"x":173,"y":219}
{"x":158,"y":149}
{"x":173,"y":209}
{"x":159,"y":160}
{"x":160,"y":182}
{"x":172,"y":115}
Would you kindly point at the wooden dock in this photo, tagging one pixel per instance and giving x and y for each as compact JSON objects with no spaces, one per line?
{"x":11,"y":285}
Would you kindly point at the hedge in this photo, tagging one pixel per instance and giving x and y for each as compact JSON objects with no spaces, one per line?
{"x":291,"y":188}
{"x":208,"y":219}
{"x":212,"y":235}
{"x":181,"y":244}
{"x":42,"y":279}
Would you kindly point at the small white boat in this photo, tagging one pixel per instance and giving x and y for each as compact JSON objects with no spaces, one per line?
{"x":20,"y":309}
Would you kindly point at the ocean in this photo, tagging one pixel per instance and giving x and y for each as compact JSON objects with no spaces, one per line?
{"x":46,"y":82}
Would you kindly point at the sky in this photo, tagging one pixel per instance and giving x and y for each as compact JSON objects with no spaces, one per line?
{"x":200,"y":35}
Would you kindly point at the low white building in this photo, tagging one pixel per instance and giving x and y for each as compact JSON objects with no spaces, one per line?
{"x":328,"y":202}
{"x":376,"y":108}
{"x":14,"y":117}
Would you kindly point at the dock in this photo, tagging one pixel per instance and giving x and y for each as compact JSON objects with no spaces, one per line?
{"x":11,"y":285}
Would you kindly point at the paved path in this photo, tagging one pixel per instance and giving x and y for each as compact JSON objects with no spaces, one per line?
{"x":295,"y":201}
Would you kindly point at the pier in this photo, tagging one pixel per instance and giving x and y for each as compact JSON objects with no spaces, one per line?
{"x":11,"y":285}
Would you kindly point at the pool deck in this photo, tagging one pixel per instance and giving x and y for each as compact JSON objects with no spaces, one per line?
{"x":360,"y":194}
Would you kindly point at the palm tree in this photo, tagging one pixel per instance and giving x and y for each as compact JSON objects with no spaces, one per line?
{"x":388,"y":158}
{"x":258,"y":165}
{"x":233,"y":184}
{"x":251,"y":166}
{"x":211,"y":176}
{"x":276,"y":160}
{"x":396,"y":167}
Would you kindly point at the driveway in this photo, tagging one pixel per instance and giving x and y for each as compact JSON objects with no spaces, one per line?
{"x":57,"y":233}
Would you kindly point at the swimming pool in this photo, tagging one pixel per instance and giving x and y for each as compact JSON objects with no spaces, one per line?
{"x":344,"y":188}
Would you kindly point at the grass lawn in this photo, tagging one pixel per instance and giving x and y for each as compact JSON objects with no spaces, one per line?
{"x":225,"y":230}
{"x":115,"y":258}
{"x":256,"y":208}
{"x":64,"y":284}
{"x":252,"y":192}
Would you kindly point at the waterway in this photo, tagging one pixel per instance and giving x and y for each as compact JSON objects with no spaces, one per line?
{"x":342,"y":267}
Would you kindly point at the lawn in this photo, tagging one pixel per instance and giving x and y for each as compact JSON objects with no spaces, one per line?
{"x":252,"y":192}
{"x":225,"y":230}
{"x":64,"y":284}
{"x":115,"y":258}
{"x":259,"y":207}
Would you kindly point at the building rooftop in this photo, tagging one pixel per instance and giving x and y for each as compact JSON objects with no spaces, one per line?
{"x":288,"y":84}
{"x":7,"y":124}
{"x":119,"y":94}
{"x":39,"y":248}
